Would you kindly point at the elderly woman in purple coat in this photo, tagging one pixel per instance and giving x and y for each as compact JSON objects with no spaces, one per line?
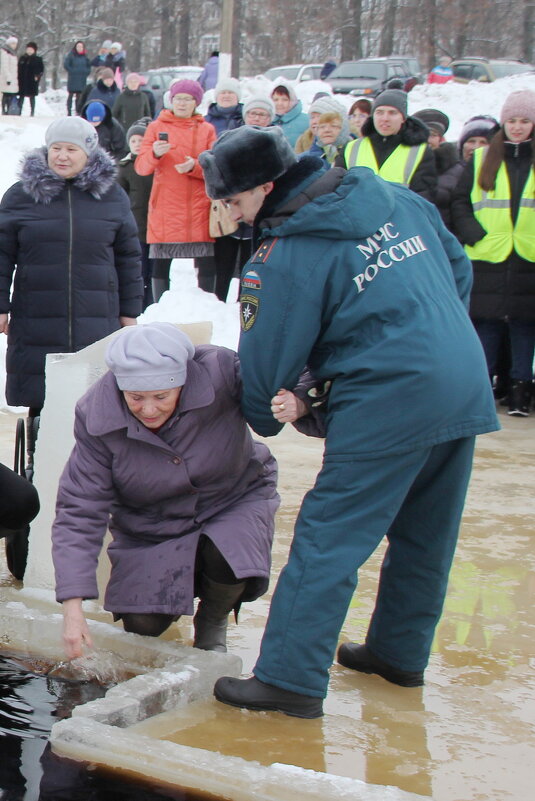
{"x":164,"y":458}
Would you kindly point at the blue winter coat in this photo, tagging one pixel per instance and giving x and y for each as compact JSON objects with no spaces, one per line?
{"x":365,"y":285}
{"x":106,"y":94}
{"x":201,"y":473}
{"x":293,"y":123}
{"x":224,"y":119}
{"x":78,"y":68}
{"x":77,"y":256}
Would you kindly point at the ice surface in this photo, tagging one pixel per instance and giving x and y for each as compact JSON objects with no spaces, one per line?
{"x":38,"y":632}
{"x":182,"y":681}
{"x":195,"y":768}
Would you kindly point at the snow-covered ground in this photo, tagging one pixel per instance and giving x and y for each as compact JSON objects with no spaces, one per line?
{"x":186,"y":302}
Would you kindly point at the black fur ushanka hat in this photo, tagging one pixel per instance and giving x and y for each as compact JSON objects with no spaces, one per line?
{"x":244,"y":158}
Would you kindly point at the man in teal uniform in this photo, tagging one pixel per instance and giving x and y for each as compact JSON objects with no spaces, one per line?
{"x":358,"y":281}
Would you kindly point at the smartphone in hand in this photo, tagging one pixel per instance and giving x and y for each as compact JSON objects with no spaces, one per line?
{"x":163,"y":136}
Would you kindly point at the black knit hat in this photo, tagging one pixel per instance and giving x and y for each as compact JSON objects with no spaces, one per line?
{"x":32,"y":44}
{"x":138,"y":127}
{"x":392,"y":97}
{"x":244,"y":158}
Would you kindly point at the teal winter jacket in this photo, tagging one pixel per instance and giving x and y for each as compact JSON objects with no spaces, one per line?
{"x":293,"y":123}
{"x":360,"y":281}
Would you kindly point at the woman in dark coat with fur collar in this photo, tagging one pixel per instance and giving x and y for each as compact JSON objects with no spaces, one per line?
{"x":67,"y":228}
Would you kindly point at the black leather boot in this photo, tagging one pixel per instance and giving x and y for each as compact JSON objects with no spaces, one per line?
{"x":256,"y":694}
{"x":32,"y":429}
{"x":359,"y":657}
{"x":211,"y":619}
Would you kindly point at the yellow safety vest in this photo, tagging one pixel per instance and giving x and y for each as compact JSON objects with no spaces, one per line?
{"x":493,"y":211}
{"x":398,"y":168}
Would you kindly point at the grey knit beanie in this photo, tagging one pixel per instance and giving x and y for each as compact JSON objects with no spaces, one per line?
{"x":149,"y":357}
{"x":261,"y":102}
{"x":139,"y":127}
{"x":74,"y":130}
{"x":392,"y":97}
{"x":325,"y":104}
{"x":244,"y":158}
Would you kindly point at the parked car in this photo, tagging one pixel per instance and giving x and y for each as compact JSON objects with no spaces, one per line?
{"x":369,"y":76}
{"x":295,"y":72}
{"x":485,"y":70}
{"x":160,"y":79}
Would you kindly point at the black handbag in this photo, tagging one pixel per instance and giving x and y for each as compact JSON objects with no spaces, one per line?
{"x":14,"y":108}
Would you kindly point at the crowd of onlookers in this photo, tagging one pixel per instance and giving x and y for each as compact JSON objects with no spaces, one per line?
{"x":484,"y":199}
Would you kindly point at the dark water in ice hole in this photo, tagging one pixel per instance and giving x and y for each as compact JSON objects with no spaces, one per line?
{"x":29,"y":705}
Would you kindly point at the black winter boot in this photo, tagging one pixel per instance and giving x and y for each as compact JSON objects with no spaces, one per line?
{"x":215,"y":604}
{"x":359,"y":657}
{"x":257,"y":695}
{"x":32,"y":429}
{"x":520,"y":398}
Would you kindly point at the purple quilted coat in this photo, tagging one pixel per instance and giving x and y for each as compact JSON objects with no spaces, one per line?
{"x":202,"y":473}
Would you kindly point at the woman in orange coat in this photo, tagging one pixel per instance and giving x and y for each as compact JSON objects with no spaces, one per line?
{"x":177,"y":225}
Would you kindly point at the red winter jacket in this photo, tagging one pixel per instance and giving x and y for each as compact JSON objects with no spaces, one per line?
{"x":178,"y":205}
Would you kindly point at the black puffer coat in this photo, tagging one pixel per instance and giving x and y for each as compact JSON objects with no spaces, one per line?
{"x":138,"y":189}
{"x":412,"y":132}
{"x":503,"y":289}
{"x":449,"y":170}
{"x":75,"y":247}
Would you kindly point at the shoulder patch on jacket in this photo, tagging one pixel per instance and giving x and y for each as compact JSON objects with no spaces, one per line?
{"x":251,"y":280}
{"x":248,"y":311}
{"x":264,"y":251}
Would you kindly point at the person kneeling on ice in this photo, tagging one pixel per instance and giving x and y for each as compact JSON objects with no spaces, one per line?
{"x":360,"y":280}
{"x":163,"y":456}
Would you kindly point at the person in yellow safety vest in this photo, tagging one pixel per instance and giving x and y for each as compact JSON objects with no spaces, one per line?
{"x":493,"y":213}
{"x":394,"y":146}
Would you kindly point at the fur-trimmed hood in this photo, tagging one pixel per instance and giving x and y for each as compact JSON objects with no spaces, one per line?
{"x":43,"y":184}
{"x":412,"y":132}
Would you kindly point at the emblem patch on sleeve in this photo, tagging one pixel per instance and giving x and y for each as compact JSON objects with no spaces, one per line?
{"x":251,"y":280}
{"x":248,"y":311}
